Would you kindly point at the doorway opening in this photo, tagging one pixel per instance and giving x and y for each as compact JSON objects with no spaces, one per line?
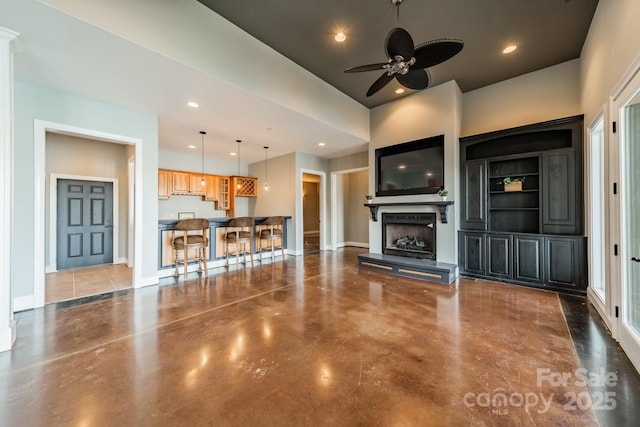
{"x":311,"y":213}
{"x":112,"y":158}
{"x":349,"y":218}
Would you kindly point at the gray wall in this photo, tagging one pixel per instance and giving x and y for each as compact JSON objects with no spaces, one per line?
{"x":356,"y":216}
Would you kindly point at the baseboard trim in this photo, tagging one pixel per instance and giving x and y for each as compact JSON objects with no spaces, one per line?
{"x":24,"y":303}
{"x":357,"y":244}
{"x":147,"y":281}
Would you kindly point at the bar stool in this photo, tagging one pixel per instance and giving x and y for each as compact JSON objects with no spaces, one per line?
{"x":271,"y":230}
{"x":190,"y":234}
{"x":239,"y":232}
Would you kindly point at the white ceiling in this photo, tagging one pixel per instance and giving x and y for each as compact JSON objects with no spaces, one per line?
{"x":65,"y":54}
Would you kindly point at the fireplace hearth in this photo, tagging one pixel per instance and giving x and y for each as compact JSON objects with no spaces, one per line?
{"x":411,"y":235}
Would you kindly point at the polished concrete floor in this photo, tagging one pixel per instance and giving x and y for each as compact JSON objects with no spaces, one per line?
{"x":312,"y":340}
{"x":81,"y":282}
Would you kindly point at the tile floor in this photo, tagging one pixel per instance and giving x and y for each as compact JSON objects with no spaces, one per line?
{"x":81,"y":282}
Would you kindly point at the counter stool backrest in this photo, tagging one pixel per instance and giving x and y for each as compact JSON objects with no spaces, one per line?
{"x":181,"y":240}
{"x":192,"y":224}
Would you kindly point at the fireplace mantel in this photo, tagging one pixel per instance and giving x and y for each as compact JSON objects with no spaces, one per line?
{"x":442,"y":208}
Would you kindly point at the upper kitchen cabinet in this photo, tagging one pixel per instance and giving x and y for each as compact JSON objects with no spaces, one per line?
{"x":164,"y":184}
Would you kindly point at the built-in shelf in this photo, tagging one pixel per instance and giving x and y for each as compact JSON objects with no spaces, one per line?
{"x":442,"y":208}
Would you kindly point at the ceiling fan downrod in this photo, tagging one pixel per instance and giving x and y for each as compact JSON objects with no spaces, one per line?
{"x":397,"y":3}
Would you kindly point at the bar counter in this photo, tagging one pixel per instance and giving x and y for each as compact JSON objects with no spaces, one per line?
{"x":217,"y":226}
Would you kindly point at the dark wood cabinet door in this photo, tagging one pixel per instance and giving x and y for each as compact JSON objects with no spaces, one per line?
{"x":472,"y":252}
{"x":474,"y":208}
{"x":559,"y":193}
{"x":528,"y":258}
{"x":565,"y":267}
{"x":499,"y":257}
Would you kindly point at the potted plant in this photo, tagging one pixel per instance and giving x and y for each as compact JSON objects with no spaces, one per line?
{"x":369,"y":198}
{"x":443,"y":194}
{"x":512,"y":184}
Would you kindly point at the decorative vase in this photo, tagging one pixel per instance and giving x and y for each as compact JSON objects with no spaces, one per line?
{"x":443,"y":198}
{"x":369,"y":200}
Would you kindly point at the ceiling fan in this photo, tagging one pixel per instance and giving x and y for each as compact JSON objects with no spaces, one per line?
{"x":409,"y":63}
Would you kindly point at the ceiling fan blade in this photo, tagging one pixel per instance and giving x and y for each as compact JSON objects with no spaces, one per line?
{"x":380,"y":83}
{"x":414,"y":79}
{"x":436,"y":51}
{"x":399,"y":42}
{"x":370,"y":67}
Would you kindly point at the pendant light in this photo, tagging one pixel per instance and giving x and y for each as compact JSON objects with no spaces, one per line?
{"x":266,"y":183}
{"x":238,"y":141}
{"x":203,"y":133}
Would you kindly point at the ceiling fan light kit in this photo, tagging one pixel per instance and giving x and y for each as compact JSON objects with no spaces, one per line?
{"x":408,"y":63}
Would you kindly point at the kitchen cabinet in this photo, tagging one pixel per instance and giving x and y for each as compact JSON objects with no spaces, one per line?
{"x":195,"y":184}
{"x":180,"y":182}
{"x":164,"y":184}
{"x":224,"y":184}
{"x":211,"y":188}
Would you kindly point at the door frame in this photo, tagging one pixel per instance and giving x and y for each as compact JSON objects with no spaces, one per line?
{"x":40,"y":129}
{"x":334,"y":203}
{"x":299,"y":208}
{"x":53,"y":220}
{"x":622,"y":94}
{"x":597,"y":251}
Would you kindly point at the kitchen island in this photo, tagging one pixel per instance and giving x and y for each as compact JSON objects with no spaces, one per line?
{"x":215,"y":251}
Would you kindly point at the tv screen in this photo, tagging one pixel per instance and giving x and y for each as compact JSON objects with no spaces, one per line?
{"x":415,"y":167}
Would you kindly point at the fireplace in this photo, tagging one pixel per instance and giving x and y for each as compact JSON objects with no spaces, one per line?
{"x":410,"y":235}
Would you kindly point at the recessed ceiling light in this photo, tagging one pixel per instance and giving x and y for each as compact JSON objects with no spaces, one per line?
{"x":509,"y":48}
{"x":401,"y":167}
{"x":193,"y":147}
{"x":193,"y":104}
{"x":321,"y":144}
{"x":340,"y":37}
{"x":399,"y":90}
{"x":233,"y":154}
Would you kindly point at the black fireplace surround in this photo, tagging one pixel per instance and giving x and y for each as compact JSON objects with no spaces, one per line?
{"x":410,"y":235}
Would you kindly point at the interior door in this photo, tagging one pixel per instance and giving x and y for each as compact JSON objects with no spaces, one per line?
{"x":85,"y":223}
{"x":629,"y":292}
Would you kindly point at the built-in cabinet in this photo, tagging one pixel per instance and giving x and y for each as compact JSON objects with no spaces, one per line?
{"x":534,"y":235}
{"x":553,"y":262}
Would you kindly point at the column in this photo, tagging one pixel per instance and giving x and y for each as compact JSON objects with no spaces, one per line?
{"x":7,"y":323}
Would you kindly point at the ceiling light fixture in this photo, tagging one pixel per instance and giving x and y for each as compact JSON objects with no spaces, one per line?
{"x":193,"y":147}
{"x":266,"y":184}
{"x":193,"y":104}
{"x":399,"y":90}
{"x":321,"y":144}
{"x":340,"y":37}
{"x":238,"y":141}
{"x":203,"y":133}
{"x":509,"y":48}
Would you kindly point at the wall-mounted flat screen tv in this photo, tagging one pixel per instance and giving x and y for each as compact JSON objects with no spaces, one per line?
{"x":415,"y":167}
